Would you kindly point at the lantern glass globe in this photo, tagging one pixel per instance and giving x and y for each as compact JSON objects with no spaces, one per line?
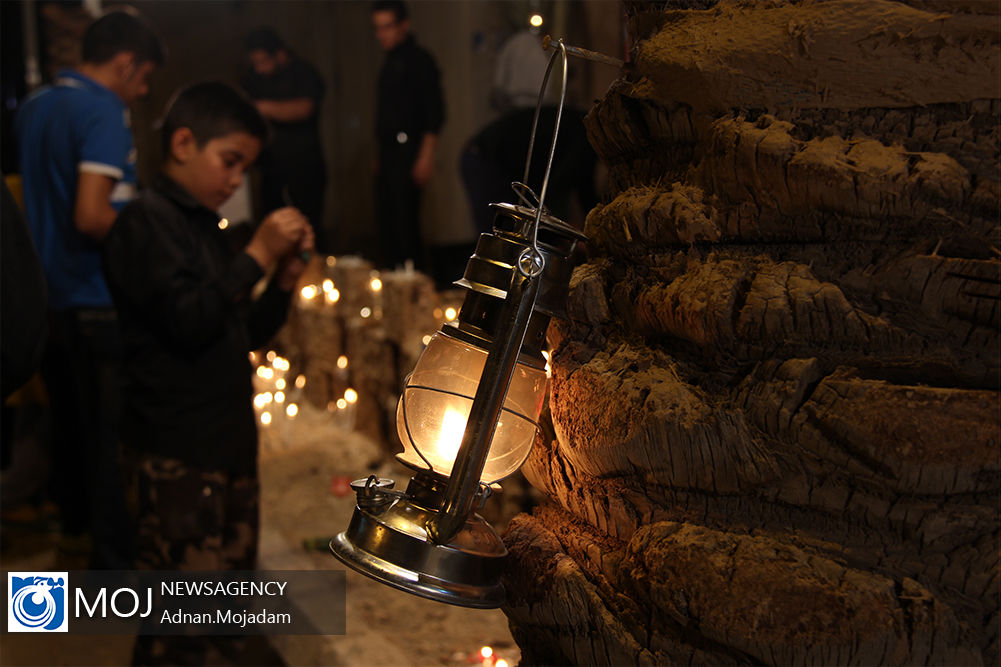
{"x":436,"y":404}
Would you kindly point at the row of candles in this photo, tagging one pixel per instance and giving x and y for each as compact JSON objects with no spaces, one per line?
{"x":276,"y":399}
{"x":326,"y":294}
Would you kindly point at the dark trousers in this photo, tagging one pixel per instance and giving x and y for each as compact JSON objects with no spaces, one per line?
{"x":398,"y":208}
{"x":82,"y":373}
{"x":301,"y":186}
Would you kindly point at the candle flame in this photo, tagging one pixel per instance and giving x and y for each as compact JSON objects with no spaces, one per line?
{"x":308,"y":292}
{"x":265,"y":373}
{"x":280,"y":383}
{"x":451,"y":313}
{"x":279,"y":397}
{"x":300,"y":381}
{"x":341,"y":404}
{"x":328,"y":285}
{"x":342,"y":362}
{"x":270,"y":356}
{"x":486,"y":652}
{"x":224,"y":223}
{"x":350,"y":395}
{"x":366,"y":311}
{"x":281,"y":364}
{"x":291,"y":410}
{"x":265,"y":418}
{"x":375,"y":284}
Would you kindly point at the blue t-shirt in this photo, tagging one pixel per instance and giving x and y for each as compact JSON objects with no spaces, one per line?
{"x":72,"y":126}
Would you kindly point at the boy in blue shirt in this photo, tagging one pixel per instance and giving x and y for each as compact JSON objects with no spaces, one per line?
{"x":79,"y":169}
{"x":188,"y":322}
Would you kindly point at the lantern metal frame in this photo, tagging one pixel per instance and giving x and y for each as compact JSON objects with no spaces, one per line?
{"x":429,"y":540}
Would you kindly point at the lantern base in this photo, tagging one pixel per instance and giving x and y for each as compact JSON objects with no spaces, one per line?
{"x":389,"y":542}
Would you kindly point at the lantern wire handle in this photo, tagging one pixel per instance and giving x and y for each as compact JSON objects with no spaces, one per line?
{"x":560,"y":51}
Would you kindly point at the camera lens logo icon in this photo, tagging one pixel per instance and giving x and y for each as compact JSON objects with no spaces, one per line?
{"x":37,"y":601}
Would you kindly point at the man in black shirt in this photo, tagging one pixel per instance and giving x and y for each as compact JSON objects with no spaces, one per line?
{"x":287,"y":91}
{"x":409,"y":116}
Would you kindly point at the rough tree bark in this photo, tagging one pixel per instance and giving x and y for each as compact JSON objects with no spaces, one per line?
{"x":774,"y":433}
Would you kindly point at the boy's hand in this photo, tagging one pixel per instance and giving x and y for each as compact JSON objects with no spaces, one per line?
{"x":293,"y":265}
{"x":279,"y":234}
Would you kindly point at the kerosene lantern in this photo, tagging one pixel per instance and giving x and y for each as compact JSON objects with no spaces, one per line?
{"x":469,"y":411}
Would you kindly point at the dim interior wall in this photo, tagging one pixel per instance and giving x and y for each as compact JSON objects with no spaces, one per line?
{"x":204,"y":41}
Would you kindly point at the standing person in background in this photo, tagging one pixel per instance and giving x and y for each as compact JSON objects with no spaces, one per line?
{"x":409,"y":116}
{"x":287,"y":91}
{"x":79,"y":167}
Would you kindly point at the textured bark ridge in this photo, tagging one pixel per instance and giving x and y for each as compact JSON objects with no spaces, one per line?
{"x":774,"y":428}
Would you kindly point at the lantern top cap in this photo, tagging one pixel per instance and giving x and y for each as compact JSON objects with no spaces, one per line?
{"x":547,"y":221}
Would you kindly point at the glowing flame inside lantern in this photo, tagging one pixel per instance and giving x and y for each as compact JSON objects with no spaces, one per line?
{"x":433,"y":411}
{"x":453,"y":423}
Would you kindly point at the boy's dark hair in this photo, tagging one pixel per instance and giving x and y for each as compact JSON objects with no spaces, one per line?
{"x":120,"y":31}
{"x":211,"y":109}
{"x":264,"y":39}
{"x":398,"y":8}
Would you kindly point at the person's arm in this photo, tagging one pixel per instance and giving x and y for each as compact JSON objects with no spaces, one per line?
{"x":23,"y":299}
{"x":270,"y":310}
{"x":93,"y":214}
{"x":424,"y":164}
{"x":287,"y":111}
{"x":432,"y":117}
{"x":307,"y":88}
{"x":151,"y":272}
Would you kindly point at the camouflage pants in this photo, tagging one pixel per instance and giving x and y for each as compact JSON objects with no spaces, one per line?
{"x":194,"y":519}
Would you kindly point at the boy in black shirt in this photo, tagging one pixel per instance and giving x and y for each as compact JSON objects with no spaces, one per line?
{"x":188,"y":323}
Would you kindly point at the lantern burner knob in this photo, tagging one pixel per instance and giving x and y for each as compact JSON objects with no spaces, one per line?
{"x":373,"y":492}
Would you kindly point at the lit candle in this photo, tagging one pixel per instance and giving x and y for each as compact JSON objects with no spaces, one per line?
{"x":308,"y":293}
{"x":375,"y":286}
{"x":342,"y":368}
